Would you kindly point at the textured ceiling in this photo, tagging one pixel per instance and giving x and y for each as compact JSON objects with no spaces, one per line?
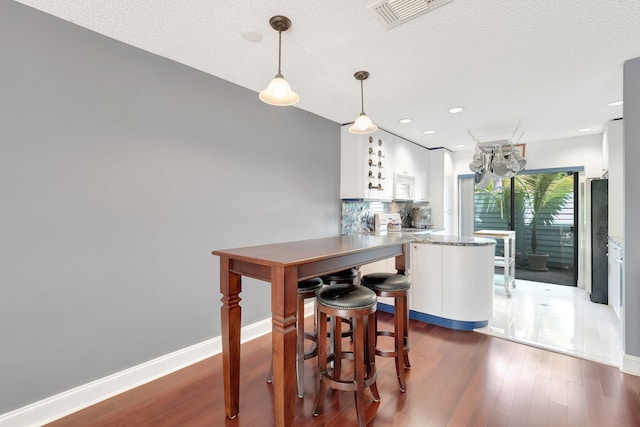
{"x":553,"y":65}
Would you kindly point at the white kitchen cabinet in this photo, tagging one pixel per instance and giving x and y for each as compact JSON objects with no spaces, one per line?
{"x":426,"y":275}
{"x":452,"y":281}
{"x":615,"y":276}
{"x":398,"y":156}
{"x":467,"y":292}
{"x":441,"y":182}
{"x":365,"y":164}
{"x":413,"y":160}
{"x":402,"y":159}
{"x":421,"y":162}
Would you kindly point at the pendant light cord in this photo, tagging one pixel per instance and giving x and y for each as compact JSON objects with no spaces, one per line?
{"x":279,"y":52}
{"x":361,"y":97}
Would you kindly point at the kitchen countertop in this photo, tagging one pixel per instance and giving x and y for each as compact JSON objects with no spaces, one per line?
{"x":407,"y":232}
{"x":437,"y":239}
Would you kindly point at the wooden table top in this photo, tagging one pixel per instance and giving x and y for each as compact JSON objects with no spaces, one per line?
{"x":306,"y":251}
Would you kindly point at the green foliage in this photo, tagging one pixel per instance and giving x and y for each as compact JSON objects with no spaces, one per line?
{"x":544,"y":196}
{"x":499,"y":202}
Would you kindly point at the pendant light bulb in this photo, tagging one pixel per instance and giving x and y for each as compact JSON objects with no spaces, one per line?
{"x":362,"y":124}
{"x":279,"y":91}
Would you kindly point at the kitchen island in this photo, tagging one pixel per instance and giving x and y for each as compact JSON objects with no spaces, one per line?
{"x":451,"y":280}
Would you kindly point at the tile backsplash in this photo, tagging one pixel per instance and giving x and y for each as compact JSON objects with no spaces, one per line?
{"x":357,"y":215}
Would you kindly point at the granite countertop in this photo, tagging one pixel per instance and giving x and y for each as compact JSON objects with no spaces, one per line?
{"x":406,"y":232}
{"x":437,"y":239}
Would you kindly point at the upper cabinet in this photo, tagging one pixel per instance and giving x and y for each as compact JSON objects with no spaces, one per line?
{"x":420,"y":164}
{"x":413,"y":160}
{"x":441,"y":179}
{"x":366,"y":165}
{"x":369,"y":164}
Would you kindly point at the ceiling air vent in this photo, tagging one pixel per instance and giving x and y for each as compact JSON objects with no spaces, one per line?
{"x":392,"y":13}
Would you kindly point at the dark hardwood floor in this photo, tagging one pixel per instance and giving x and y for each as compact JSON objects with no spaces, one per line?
{"x":457,"y":379}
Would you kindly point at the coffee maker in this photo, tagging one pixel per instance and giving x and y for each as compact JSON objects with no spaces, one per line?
{"x":421,"y":217}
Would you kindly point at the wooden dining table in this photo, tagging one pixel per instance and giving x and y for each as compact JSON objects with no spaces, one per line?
{"x":283,"y":265}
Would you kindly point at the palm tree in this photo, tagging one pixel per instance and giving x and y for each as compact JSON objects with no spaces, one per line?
{"x":496,"y":200}
{"x":544,"y":195}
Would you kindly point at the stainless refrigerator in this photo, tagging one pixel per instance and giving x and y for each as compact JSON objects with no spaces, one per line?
{"x":599,"y":240}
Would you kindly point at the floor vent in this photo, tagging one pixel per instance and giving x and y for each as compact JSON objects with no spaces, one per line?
{"x":392,"y":13}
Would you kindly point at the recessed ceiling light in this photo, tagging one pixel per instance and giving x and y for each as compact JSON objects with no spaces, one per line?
{"x":407,"y":120}
{"x":584,"y":130}
{"x":460,"y":146}
{"x":615,"y":103}
{"x":251,"y":35}
{"x":456,"y":110}
{"x":429,"y":132}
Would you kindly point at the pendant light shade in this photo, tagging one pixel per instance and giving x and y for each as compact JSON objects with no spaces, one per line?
{"x":363,"y":123}
{"x":279,"y":91}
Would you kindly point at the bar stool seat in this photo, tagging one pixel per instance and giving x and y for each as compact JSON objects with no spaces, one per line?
{"x":359,"y":304}
{"x":396,"y":286}
{"x":349,"y":275}
{"x":306,"y":289}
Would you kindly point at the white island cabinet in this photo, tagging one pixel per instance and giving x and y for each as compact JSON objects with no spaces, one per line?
{"x":452,"y":281}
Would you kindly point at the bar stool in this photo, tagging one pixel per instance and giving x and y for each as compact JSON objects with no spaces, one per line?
{"x":306,"y":289}
{"x":395,"y":286}
{"x":351,"y":276}
{"x":358,"y":304}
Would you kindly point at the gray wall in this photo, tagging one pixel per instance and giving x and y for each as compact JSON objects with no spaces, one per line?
{"x":632,"y":205}
{"x":120,"y":172}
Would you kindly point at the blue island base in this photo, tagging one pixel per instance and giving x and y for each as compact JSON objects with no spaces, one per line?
{"x":436,"y":320}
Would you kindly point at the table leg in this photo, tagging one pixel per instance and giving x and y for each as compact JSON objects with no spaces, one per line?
{"x":284,"y":287}
{"x":402,"y":261}
{"x":230,"y":312}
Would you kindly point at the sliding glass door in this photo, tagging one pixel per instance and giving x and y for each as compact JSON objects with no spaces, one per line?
{"x":541,"y":208}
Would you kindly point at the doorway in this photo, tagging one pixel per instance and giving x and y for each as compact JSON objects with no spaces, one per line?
{"x":541,"y":207}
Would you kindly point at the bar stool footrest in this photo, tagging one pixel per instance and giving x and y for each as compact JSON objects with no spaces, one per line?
{"x":348,"y":385}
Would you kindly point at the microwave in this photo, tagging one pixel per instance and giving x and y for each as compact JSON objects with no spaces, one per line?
{"x":403,"y":187}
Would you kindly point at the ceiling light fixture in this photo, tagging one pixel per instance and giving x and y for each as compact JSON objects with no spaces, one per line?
{"x":279,"y":91}
{"x":456,"y":110}
{"x":405,"y":120}
{"x":615,"y":103}
{"x":251,"y":36}
{"x":429,"y":132}
{"x":584,"y":130}
{"x":363,"y":123}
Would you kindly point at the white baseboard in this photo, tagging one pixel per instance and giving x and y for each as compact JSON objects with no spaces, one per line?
{"x":70,"y":401}
{"x":631,"y":364}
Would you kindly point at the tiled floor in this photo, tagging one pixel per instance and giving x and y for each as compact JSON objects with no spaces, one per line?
{"x":558,"y":318}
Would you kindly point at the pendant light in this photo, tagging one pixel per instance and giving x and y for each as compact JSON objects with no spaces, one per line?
{"x":363,"y":123}
{"x":279,"y":91}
